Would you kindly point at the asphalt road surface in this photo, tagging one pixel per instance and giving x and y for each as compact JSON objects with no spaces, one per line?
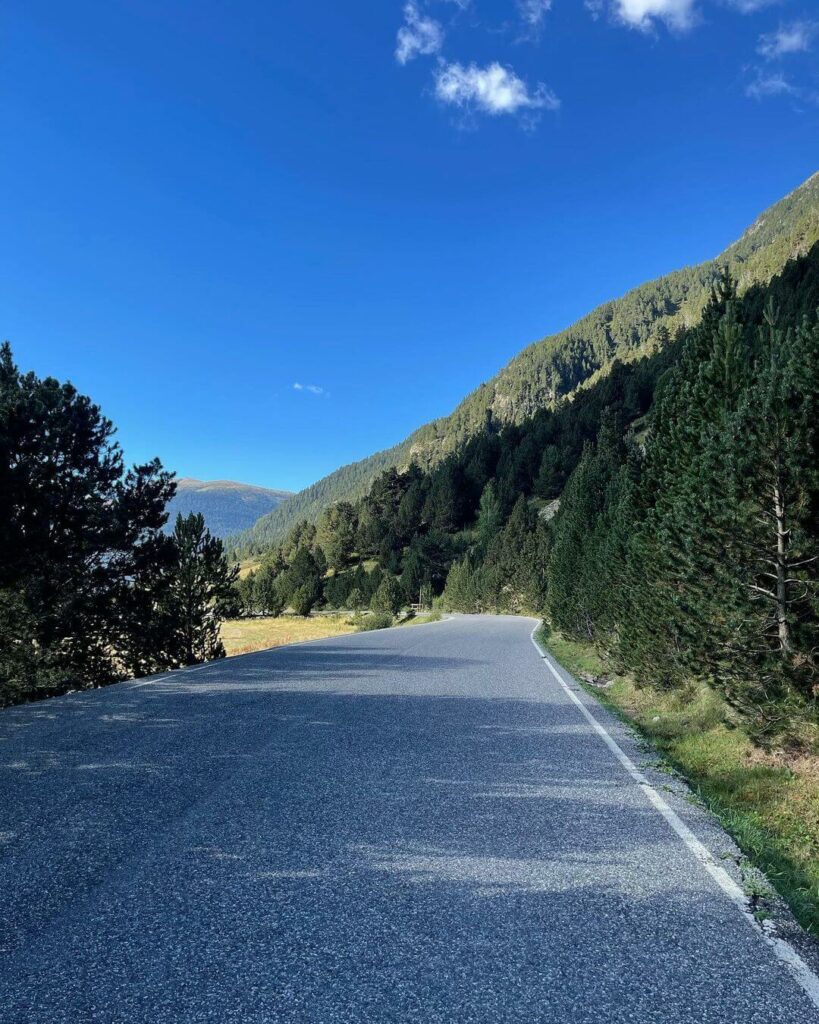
{"x":416,"y":825}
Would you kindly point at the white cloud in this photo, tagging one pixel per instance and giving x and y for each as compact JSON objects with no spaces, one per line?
{"x":314,"y":389}
{"x":679,"y":15}
{"x":419,"y":35}
{"x":751,"y":6}
{"x":492,"y":90}
{"x":765,"y":85}
{"x":534,"y":11}
{"x":794,"y":38}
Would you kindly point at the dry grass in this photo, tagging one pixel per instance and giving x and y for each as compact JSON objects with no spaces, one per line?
{"x":240,"y":636}
{"x":767,"y":799}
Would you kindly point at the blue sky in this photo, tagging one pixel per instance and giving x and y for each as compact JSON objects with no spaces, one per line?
{"x":207,"y":203}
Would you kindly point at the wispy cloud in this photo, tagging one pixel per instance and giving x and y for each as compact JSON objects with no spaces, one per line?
{"x":796,"y":37}
{"x":678,"y":15}
{"x":533,"y":12}
{"x":314,"y":389}
{"x":493,"y":89}
{"x":765,"y":85}
{"x":418,"y":36}
{"x":751,"y":6}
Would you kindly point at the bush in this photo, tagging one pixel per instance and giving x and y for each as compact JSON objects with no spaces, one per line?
{"x":389,"y":597}
{"x":303,"y":599}
{"x":376,"y":620}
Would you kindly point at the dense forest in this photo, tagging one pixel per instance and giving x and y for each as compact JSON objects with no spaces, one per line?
{"x":626,"y":330}
{"x":668,"y":514}
{"x":92,"y":588}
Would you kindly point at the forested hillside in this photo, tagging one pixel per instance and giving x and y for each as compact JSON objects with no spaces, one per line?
{"x":227,"y":506}
{"x":625,"y":330}
{"x":669,"y":514}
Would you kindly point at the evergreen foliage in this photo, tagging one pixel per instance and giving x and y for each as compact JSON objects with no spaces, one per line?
{"x":667,"y":514}
{"x":389,"y":597}
{"x":698,"y":558}
{"x":89,"y":582}
{"x":200,"y":592}
{"x":560,"y":366}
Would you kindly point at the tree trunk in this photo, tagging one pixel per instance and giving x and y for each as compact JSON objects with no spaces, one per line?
{"x":782,"y":537}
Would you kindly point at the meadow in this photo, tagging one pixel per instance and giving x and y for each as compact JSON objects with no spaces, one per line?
{"x":241,"y":636}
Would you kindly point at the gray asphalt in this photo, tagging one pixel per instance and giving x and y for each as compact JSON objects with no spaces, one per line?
{"x":413,"y":825}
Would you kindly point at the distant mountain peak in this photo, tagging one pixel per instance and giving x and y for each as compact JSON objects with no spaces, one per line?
{"x":191,"y":483}
{"x":227,"y":505}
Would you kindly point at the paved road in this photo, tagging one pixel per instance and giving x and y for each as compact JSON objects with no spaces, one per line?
{"x":415,"y":825}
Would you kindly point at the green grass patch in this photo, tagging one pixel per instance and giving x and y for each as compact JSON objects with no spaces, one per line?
{"x":768,"y":800}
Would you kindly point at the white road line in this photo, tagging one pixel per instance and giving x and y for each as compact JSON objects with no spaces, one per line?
{"x":782,"y":950}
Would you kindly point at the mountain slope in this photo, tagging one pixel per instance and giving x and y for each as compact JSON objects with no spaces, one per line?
{"x":555,"y":367}
{"x":228,"y":507}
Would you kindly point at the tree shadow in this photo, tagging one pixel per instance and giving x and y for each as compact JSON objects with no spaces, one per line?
{"x":303,"y":847}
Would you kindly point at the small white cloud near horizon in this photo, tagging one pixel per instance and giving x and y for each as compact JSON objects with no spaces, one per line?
{"x":418,"y":36}
{"x":678,"y":15}
{"x":796,"y":37}
{"x":314,"y":389}
{"x":493,"y":90}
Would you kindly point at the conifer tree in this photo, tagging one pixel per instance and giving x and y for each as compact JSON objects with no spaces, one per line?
{"x":490,"y":518}
{"x":336,"y":533}
{"x":388,"y":597}
{"x":773,"y":447}
{"x":301,"y":584}
{"x":201,"y":587}
{"x":83,"y":557}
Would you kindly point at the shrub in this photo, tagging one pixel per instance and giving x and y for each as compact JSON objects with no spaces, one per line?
{"x":389,"y":597}
{"x":303,"y":599}
{"x":377,"y":620}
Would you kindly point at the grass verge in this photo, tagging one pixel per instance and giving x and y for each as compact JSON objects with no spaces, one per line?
{"x":421,"y":618}
{"x":241,"y":636}
{"x":768,"y":800}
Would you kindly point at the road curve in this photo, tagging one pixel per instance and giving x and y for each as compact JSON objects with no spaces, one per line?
{"x":415,"y":825}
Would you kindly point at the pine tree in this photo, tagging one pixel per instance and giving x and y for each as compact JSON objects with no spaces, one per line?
{"x":83,"y":555}
{"x":490,"y":518}
{"x":388,"y":597}
{"x":463,"y":587}
{"x":773,"y":446}
{"x":336,"y":533}
{"x":202,"y":584}
{"x":301,"y":584}
{"x":270,"y":590}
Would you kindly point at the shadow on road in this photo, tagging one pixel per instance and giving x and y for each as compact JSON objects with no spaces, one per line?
{"x":302,"y":846}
